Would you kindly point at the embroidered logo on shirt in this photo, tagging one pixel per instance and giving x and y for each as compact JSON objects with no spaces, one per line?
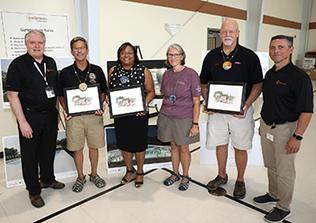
{"x":278,"y":82}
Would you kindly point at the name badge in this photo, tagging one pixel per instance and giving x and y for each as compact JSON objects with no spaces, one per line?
{"x":50,"y":92}
{"x":270,"y":137}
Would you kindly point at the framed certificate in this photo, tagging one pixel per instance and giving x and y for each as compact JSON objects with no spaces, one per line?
{"x":126,"y":101}
{"x":80,"y":102}
{"x":226,"y":97}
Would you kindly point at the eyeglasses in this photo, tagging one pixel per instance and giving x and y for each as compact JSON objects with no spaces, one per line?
{"x":176,"y":55}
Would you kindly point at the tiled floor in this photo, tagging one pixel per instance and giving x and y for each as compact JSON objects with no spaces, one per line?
{"x":155,"y":202}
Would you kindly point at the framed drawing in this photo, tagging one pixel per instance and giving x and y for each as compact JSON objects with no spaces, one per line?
{"x":156,"y":67}
{"x":126,"y":101}
{"x":226,"y":97}
{"x":80,"y":102}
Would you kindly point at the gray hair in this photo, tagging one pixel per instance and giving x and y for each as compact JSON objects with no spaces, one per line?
{"x":34,"y":31}
{"x":180,"y":51}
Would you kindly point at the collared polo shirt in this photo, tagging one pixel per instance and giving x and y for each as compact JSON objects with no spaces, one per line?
{"x":286,"y":93}
{"x":245,"y":68}
{"x":72,"y":76}
{"x":23,"y":77}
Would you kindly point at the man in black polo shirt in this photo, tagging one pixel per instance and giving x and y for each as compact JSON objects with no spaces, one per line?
{"x":31,"y":85}
{"x":88,"y":127}
{"x":231,"y":63}
{"x":286,"y":112}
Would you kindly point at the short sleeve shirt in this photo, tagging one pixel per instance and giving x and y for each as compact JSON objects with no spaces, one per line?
{"x":245,"y":68}
{"x":24,"y":77}
{"x":286,"y":93}
{"x":184,"y":85}
{"x":72,"y":76}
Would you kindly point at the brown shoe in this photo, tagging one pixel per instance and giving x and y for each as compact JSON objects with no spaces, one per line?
{"x":55,"y":185}
{"x":37,"y":201}
{"x":240,"y":190}
{"x":218,"y":181}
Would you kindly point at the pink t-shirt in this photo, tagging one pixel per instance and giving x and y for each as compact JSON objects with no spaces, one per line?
{"x":184,"y":85}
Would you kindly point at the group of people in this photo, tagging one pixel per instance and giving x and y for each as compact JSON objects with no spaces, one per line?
{"x":34,"y":86}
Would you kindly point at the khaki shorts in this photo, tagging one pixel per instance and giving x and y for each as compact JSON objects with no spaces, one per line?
{"x":177,"y":130}
{"x":83,"y":127}
{"x":222,"y":127}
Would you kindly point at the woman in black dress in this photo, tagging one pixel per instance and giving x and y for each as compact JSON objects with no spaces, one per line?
{"x":131,"y":131}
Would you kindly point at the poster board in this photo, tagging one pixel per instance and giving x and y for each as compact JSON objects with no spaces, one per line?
{"x":64,"y":166}
{"x":157,"y":155}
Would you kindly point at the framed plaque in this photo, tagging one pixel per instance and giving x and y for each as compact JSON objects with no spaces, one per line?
{"x":226,"y":97}
{"x":126,"y":101}
{"x":80,"y":102}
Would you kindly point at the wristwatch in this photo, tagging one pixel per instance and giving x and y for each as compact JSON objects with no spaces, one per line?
{"x":297,"y":137}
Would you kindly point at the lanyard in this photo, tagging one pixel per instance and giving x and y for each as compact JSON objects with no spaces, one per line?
{"x":39,"y":70}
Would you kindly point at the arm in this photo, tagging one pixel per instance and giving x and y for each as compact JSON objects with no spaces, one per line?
{"x":196,"y":114}
{"x":149,"y":86}
{"x":293,"y":144}
{"x":16,"y":107}
{"x":61,"y":100}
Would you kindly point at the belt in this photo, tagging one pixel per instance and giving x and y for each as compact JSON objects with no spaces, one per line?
{"x":274,"y":123}
{"x":38,"y":110}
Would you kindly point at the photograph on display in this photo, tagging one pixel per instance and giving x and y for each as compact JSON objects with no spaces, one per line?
{"x":63,"y":166}
{"x":126,"y":101}
{"x":82,"y":101}
{"x":4,"y":65}
{"x":157,"y":154}
{"x":226,"y":97}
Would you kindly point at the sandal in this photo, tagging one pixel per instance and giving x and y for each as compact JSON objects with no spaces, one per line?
{"x":184,"y":185}
{"x":171,"y":179}
{"x":141,"y":182}
{"x":129,"y":176}
{"x":79,"y":184}
{"x":97,"y":180}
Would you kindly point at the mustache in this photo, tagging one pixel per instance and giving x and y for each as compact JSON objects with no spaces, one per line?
{"x":228,"y":38}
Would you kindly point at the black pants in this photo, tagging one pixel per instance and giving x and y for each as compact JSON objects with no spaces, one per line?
{"x":38,"y":153}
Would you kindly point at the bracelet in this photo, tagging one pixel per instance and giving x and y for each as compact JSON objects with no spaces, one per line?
{"x":195,"y":123}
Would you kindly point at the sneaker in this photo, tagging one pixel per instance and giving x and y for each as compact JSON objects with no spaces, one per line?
{"x":79,"y":184}
{"x":97,"y":180}
{"x":276,"y":215}
{"x":240,"y":190}
{"x":171,"y":179}
{"x":265,"y":199}
{"x":55,"y":185}
{"x":37,"y":201}
{"x":218,"y":181}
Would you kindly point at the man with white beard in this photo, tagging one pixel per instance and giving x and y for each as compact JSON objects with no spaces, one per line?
{"x":231,"y":63}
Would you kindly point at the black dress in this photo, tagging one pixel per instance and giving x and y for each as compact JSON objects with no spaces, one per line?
{"x":130,"y":131}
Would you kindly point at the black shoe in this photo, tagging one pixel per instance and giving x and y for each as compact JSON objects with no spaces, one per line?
{"x":55,"y":185}
{"x":240,"y":190}
{"x":218,"y":181}
{"x":276,"y":215}
{"x":265,"y":199}
{"x":37,"y":201}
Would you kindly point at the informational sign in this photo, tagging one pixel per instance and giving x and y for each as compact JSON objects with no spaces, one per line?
{"x":14,"y":26}
{"x":63,"y":165}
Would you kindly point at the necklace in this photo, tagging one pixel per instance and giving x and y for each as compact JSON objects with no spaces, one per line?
{"x":227,"y":64}
{"x":82,"y":84}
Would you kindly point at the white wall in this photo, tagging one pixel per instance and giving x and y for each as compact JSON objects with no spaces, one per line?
{"x":283,"y":9}
{"x":143,"y":25}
